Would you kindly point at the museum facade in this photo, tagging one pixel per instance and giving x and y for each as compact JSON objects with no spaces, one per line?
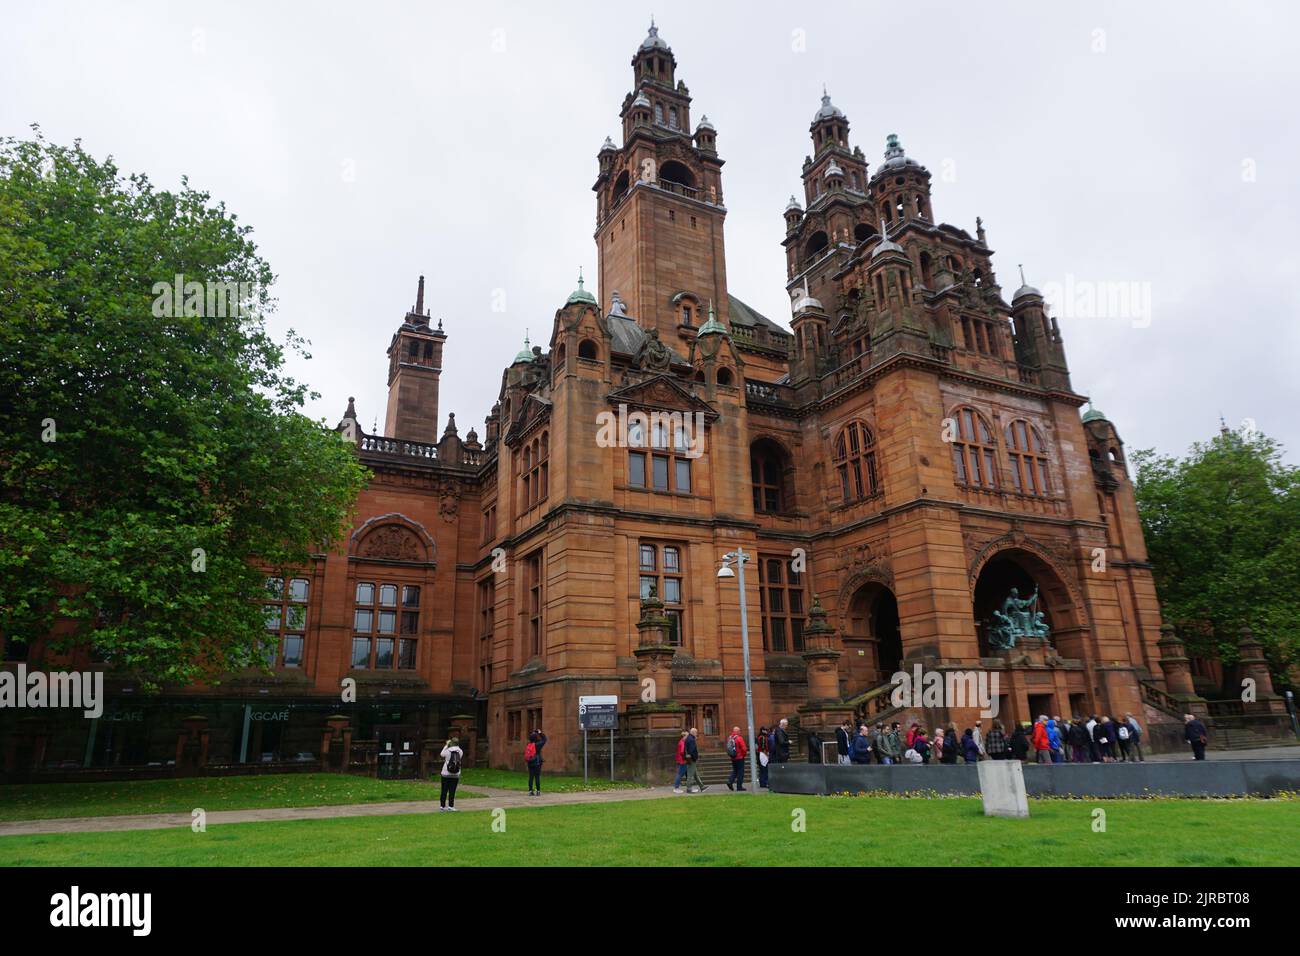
{"x":895,"y":462}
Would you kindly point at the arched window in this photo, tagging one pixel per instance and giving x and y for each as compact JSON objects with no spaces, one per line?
{"x":972,"y":450}
{"x":659,"y":114}
{"x":724,"y":376}
{"x":1028,"y":457}
{"x":816,"y":243}
{"x":855,"y":460}
{"x":621,"y":185}
{"x":767,"y":470}
{"x":675,"y":172}
{"x":587,"y":350}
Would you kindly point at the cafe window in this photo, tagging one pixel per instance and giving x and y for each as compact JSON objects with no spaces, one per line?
{"x":385,"y":626}
{"x":285,"y":615}
{"x":661,"y":570}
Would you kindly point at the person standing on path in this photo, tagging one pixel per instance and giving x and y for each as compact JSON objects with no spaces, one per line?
{"x":782,"y":754}
{"x":737,"y":751}
{"x":682,"y":762}
{"x":1135,"y":736}
{"x":1196,"y":735}
{"x":1042,"y":746}
{"x":760,"y":744}
{"x":452,"y":757}
{"x":843,"y":739}
{"x":996,"y":743}
{"x":692,"y":756}
{"x":533,"y":757}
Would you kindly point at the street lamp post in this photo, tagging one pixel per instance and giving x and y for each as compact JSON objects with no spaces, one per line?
{"x":739,"y":558}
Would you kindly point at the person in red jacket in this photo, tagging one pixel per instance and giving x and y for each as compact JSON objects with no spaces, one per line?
{"x":737,"y":751}
{"x":1042,"y":746}
{"x":681,"y":763}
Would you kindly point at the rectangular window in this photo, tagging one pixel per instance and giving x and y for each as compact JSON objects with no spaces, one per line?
{"x":662,"y":571}
{"x":387,"y":622}
{"x":406,"y":655}
{"x":781,"y":604}
{"x":365,"y":593}
{"x":660,"y":472}
{"x":683,"y":466}
{"x":384,"y":653}
{"x":293,"y":650}
{"x":533,"y":602}
{"x":636,"y":469}
{"x":360,"y":653}
{"x":363,"y":620}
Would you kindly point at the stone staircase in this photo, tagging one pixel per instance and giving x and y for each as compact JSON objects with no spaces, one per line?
{"x":715,"y":765}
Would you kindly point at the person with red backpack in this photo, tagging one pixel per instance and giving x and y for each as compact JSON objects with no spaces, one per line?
{"x":533,"y":757}
{"x":737,"y":751}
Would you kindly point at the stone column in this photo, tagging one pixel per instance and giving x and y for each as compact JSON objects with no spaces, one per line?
{"x":1254,"y":665}
{"x":825,"y":709}
{"x":653,"y":724}
{"x":1178,"y":672}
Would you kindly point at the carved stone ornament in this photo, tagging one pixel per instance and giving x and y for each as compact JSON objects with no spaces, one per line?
{"x":394,"y":543}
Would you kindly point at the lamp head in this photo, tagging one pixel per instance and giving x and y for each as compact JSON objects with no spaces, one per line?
{"x":726,"y":572}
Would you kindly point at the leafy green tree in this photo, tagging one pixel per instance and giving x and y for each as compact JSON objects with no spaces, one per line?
{"x":154,"y":461}
{"x":1223,"y":530}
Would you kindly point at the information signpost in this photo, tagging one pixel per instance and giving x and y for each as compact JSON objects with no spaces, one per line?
{"x":598,"y":712}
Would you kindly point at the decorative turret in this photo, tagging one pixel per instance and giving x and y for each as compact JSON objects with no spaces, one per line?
{"x":1038,"y":337}
{"x":901,"y":185}
{"x":581,"y":295}
{"x":712,"y":326}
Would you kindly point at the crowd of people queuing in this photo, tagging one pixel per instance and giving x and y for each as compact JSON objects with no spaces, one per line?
{"x":1046,"y":740}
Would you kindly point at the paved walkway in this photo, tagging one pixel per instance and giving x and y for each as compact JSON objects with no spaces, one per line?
{"x":492,"y":798}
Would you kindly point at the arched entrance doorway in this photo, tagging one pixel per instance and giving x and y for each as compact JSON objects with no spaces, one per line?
{"x":872,"y":641}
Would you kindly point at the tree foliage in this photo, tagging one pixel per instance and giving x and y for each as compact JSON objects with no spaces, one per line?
{"x":148,"y":464}
{"x":1222,"y":526}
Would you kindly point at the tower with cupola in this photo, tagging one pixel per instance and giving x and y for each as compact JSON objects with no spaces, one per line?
{"x":659,"y":205}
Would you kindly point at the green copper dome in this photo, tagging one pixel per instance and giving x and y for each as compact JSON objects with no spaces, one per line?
{"x":580,"y":294}
{"x":711,"y":327}
{"x":1094,"y":415}
{"x":525,"y":354}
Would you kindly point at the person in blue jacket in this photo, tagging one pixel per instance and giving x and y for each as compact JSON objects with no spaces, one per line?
{"x":1054,"y":741}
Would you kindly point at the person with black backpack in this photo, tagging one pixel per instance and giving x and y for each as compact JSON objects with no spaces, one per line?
{"x":452,"y":758}
{"x":533,"y":758}
{"x":737,"y":751}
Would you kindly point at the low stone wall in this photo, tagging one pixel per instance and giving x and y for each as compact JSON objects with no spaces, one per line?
{"x":1202,"y":778}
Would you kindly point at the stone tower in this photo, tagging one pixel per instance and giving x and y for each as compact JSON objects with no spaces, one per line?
{"x":659,"y":209}
{"x":414,"y":366}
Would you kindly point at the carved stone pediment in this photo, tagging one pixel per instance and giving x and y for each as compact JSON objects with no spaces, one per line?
{"x":661,"y":392}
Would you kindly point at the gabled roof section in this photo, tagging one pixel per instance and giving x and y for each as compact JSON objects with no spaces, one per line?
{"x":662,"y":391}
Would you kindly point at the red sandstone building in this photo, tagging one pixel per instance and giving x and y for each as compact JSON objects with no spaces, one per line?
{"x":910,"y":451}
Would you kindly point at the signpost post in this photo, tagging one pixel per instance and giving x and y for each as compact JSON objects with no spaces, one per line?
{"x":598,"y":712}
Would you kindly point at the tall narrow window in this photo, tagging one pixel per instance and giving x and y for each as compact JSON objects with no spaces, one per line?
{"x":855,"y":460}
{"x":286,"y":621}
{"x":767,"y":477}
{"x":1027,"y":456}
{"x":660,"y":569}
{"x":533,"y":602}
{"x":781,"y":602}
{"x":972,"y":450}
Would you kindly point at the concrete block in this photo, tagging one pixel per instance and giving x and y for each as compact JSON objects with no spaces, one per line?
{"x":1002,"y":785}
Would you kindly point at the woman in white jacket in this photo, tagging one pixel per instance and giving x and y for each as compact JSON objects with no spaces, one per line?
{"x":452,"y":757}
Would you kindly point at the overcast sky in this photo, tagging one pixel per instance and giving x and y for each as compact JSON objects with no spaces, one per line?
{"x":1146,"y":148}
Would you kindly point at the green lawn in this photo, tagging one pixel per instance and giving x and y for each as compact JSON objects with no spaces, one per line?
{"x":43,"y":801}
{"x":720,"y":831}
{"x":551,"y":783}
